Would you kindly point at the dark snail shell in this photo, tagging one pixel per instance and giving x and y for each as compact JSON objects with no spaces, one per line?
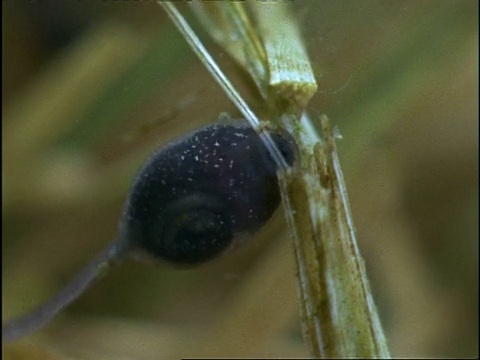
{"x":195,"y":194}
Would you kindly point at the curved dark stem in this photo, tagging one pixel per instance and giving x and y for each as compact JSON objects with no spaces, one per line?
{"x":38,"y":318}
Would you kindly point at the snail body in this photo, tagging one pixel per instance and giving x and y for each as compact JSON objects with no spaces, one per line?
{"x":185,"y":206}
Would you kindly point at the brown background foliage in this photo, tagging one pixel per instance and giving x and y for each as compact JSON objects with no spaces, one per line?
{"x":91,"y":88}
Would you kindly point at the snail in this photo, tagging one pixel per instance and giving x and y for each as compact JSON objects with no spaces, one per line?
{"x":186,"y":205}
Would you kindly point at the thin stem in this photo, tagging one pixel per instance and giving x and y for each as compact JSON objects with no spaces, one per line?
{"x":36,"y":319}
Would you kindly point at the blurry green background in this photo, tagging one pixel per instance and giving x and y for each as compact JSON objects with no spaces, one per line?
{"x":91,"y":88}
